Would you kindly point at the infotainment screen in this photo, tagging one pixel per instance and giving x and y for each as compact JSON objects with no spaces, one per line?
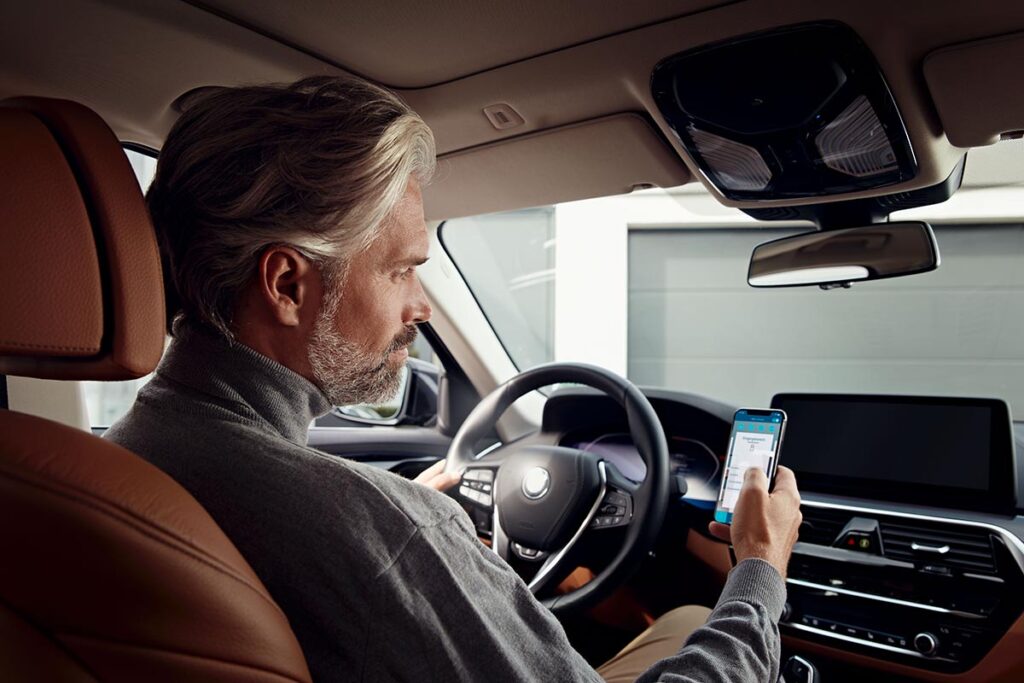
{"x":946,"y":452}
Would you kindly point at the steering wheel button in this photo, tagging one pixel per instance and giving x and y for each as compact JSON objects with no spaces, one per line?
{"x":486,"y":488}
{"x":616,"y":520}
{"x":485,"y":499}
{"x":485,"y":475}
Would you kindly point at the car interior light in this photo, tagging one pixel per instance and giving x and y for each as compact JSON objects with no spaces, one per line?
{"x":797,"y":112}
{"x":855,"y":142}
{"x":735,"y":165}
{"x":807,"y":276}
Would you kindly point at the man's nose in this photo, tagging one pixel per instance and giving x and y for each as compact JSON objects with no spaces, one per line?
{"x":420,"y":310}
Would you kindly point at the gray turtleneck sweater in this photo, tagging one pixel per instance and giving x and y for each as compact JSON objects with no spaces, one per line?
{"x":381,"y":578}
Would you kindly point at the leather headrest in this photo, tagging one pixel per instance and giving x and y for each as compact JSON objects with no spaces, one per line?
{"x":81,"y":292}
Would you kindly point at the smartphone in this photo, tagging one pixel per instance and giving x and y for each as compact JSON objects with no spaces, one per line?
{"x":755,"y":441}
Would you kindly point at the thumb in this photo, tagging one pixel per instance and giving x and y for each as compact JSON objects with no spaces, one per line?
{"x":723,"y":532}
{"x":755,"y":477}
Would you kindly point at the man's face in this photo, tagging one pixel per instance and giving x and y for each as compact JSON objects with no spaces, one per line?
{"x":361,"y":336}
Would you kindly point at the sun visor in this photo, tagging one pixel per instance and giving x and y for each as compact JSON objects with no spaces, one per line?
{"x":606,"y":156}
{"x":975,"y":91}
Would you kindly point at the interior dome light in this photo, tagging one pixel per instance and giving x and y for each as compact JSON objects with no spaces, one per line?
{"x":855,"y":142}
{"x":736,"y":166}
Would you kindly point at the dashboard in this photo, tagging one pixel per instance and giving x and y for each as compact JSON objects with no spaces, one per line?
{"x":911,"y":556}
{"x":692,"y":459}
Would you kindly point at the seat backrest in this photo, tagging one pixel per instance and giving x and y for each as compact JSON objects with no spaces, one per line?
{"x":110,"y":570}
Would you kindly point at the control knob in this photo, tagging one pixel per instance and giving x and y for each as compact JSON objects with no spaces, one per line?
{"x":787,"y":613}
{"x":926,"y":643}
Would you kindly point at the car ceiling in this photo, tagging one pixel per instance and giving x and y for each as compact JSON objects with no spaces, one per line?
{"x":415,"y":44}
{"x":557,"y":64}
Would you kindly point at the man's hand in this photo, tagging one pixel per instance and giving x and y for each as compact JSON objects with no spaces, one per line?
{"x":765,"y":525}
{"x":436,"y":478}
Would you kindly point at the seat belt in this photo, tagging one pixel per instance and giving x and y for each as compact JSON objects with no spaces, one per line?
{"x":3,"y":392}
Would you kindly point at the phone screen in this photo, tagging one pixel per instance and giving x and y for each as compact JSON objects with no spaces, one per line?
{"x":754,"y":442}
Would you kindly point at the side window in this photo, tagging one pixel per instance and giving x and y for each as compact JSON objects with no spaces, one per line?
{"x":414,"y":404}
{"x":108,"y":401}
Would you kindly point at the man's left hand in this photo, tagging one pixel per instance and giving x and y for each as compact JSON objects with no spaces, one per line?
{"x":436,"y":478}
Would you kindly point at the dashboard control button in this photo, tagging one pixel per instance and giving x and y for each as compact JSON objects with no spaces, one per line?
{"x":681,"y":486}
{"x":616,"y":498}
{"x":926,"y":643}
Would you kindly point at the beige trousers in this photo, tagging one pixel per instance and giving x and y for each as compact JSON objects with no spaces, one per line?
{"x":663,"y":639}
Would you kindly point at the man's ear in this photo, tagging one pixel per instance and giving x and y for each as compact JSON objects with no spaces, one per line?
{"x":285,"y":284}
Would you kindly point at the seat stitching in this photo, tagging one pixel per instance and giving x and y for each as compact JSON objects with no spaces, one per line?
{"x":85,"y":638}
{"x":42,"y":632}
{"x":190,"y":550}
{"x":47,"y":347}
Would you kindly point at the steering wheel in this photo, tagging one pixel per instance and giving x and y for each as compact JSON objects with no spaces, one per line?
{"x":544,"y":498}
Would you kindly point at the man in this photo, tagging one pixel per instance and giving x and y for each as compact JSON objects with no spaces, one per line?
{"x":291,"y":223}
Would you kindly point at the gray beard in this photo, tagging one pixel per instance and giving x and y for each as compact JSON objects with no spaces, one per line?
{"x":347,"y":373}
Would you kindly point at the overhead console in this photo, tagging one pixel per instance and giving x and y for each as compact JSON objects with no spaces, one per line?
{"x":801,"y":112}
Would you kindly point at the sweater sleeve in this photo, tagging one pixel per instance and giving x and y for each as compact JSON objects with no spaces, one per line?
{"x":740,"y":640}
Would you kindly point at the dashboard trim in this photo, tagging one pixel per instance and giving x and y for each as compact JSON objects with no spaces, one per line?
{"x":881,"y":598}
{"x":867,"y":643}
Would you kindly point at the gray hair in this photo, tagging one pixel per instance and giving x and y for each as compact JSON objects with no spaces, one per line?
{"x":317,"y":165}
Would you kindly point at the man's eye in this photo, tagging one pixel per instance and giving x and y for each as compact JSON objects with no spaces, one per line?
{"x":405,"y":274}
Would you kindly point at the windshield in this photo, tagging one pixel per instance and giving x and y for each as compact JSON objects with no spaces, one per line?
{"x":653,"y":285}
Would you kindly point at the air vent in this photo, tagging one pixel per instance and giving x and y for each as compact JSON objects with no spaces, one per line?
{"x":965,"y":548}
{"x":821,"y":526}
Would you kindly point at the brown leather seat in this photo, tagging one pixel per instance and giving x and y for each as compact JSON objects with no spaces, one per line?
{"x":110,"y":571}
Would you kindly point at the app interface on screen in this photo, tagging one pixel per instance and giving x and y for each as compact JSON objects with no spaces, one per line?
{"x":753,"y":444}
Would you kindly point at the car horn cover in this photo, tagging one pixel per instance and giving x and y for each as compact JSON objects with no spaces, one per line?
{"x":544,"y":494}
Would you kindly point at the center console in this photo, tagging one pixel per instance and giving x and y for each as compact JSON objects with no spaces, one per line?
{"x":934,"y":591}
{"x":928,"y":592}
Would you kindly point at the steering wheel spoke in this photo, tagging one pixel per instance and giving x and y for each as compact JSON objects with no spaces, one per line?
{"x":555,"y":560}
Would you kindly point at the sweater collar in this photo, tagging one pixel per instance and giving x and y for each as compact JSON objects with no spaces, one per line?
{"x":243,"y":380}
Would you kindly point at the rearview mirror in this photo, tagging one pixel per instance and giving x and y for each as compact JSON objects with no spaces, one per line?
{"x":835,"y":258}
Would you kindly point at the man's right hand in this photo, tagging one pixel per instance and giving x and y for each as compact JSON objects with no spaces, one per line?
{"x":765,"y":525}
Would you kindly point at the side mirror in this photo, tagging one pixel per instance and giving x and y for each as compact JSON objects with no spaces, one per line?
{"x":836,"y":258}
{"x":414,"y":404}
